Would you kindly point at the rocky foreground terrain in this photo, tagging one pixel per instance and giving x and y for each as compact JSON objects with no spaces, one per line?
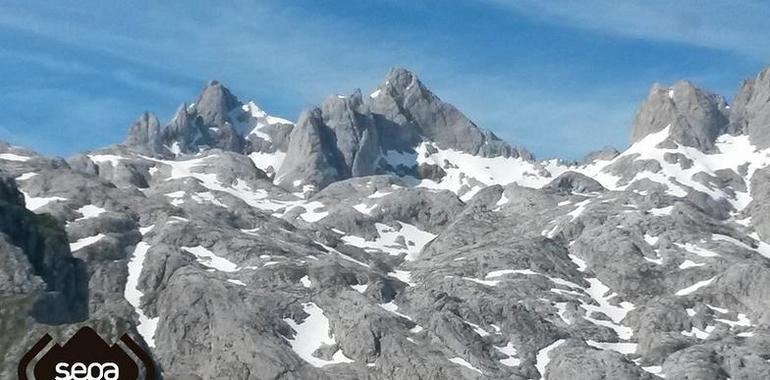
{"x":386,"y":236}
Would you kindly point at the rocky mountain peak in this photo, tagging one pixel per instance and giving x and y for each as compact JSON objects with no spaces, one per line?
{"x":421,"y":115}
{"x":215,"y":103}
{"x":398,"y":80}
{"x":394,"y":239}
{"x":144,"y":131}
{"x":351,"y":137}
{"x":751,"y":109}
{"x":217,"y":119}
{"x":695,"y":117}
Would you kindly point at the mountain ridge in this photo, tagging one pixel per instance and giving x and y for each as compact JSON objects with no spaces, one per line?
{"x":231,"y":243}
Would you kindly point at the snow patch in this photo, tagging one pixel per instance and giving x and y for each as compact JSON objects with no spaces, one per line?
{"x":13,"y":157}
{"x":694,"y":287}
{"x":111,"y":159}
{"x":25,"y":176}
{"x":386,"y":241}
{"x":690,"y":264}
{"x":210,"y":260}
{"x":311,"y":334}
{"x":460,"y":361}
{"x":34,"y":203}
{"x":543,"y":357}
{"x":512,"y":360}
{"x":85,"y":242}
{"x":133,"y":295}
{"x":90,"y":211}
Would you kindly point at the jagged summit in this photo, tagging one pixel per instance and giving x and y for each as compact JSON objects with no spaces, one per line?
{"x":215,"y":104}
{"x":216,"y":119}
{"x":403,"y":99}
{"x":447,"y":263}
{"x":695,"y":117}
{"x":402,"y":127}
{"x":345,"y":136}
{"x":751,"y":109}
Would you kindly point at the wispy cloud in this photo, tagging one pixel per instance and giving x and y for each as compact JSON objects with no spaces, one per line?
{"x":734,"y":26}
{"x":154,"y":55}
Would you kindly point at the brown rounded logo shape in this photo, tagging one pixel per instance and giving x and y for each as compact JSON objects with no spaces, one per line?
{"x":87,"y":356}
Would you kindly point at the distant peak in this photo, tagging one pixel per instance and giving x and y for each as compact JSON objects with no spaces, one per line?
{"x":695,"y":116}
{"x":214,"y":103}
{"x":399,"y":78}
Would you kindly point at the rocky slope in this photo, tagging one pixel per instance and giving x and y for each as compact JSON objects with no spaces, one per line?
{"x":386,"y":236}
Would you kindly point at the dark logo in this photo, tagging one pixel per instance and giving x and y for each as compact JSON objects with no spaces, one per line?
{"x":86,"y":356}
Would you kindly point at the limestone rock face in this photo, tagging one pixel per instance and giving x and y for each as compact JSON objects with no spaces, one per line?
{"x":694,"y":117}
{"x":386,"y":236}
{"x":751,"y":109}
{"x":37,"y":262}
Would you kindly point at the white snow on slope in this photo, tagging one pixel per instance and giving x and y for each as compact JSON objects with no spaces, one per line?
{"x":13,"y":157}
{"x":208,"y":259}
{"x":258,"y":198}
{"x":763,"y":248}
{"x":460,"y":361}
{"x":393,"y":308}
{"x":379,"y":194}
{"x":364,"y":208}
{"x":331,"y":250}
{"x":580,"y":207}
{"x":742,"y":321}
{"x":105,"y":158}
{"x":694,"y":287}
{"x":236,"y":282}
{"x":258,"y":113}
{"x":512,"y":360}
{"x":598,"y":291}
{"x":312,"y":333}
{"x":34,"y":203}
{"x":90,"y":211}
{"x":464,"y":169}
{"x":403,"y":276}
{"x":207,"y":196}
{"x":503,"y":272}
{"x":146,"y":326}
{"x":663,"y":211}
{"x":543,"y":357}
{"x":25,"y":176}
{"x":265,"y":161}
{"x":85,"y":242}
{"x":692,"y":248}
{"x":690,"y":264}
{"x":651,"y":240}
{"x":477,"y":329}
{"x":311,"y":214}
{"x":414,"y":237}
{"x":732,"y":152}
{"x":258,"y":121}
{"x":698,"y":333}
{"x":466,"y":174}
{"x":655,"y":370}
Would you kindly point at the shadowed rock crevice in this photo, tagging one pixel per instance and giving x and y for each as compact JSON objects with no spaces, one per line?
{"x":44,"y":244}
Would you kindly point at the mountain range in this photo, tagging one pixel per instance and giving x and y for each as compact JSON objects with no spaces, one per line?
{"x":387,"y":236}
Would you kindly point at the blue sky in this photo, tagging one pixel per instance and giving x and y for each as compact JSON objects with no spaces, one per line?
{"x":560,"y":77}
